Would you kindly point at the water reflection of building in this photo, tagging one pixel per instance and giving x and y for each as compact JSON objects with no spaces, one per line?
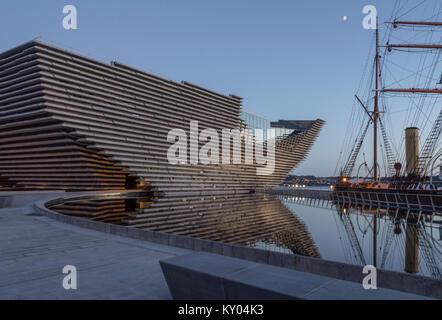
{"x":250,"y":220}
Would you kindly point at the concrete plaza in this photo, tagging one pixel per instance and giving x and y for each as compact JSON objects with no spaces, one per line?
{"x":34,"y":249}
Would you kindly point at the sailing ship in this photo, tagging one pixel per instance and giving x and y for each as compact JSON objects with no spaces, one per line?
{"x":408,"y":192}
{"x":411,"y":183}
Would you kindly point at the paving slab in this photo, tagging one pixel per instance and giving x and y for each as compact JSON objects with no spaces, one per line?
{"x":34,"y":249}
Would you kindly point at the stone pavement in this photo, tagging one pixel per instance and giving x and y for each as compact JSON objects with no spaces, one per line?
{"x":34,"y":249}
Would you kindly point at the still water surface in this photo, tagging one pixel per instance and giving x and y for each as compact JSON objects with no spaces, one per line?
{"x":346,"y":235}
{"x":315,"y":228}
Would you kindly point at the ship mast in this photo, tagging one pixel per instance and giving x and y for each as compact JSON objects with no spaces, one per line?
{"x":375,"y":140}
{"x":376,"y":109}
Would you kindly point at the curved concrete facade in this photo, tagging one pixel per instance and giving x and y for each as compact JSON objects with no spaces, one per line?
{"x":68,"y":122}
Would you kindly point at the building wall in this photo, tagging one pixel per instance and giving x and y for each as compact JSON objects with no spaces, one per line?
{"x":72,"y":123}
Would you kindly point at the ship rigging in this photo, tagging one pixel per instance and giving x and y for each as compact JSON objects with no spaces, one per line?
{"x":409,"y":187}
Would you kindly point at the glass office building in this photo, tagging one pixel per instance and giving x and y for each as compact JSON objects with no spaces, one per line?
{"x":282,"y":132}
{"x":255,"y":121}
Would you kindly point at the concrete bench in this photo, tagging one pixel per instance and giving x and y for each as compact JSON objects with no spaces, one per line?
{"x":209,"y":276}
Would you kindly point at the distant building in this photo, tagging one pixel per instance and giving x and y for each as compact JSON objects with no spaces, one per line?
{"x":287,"y":127}
{"x":283,"y":128}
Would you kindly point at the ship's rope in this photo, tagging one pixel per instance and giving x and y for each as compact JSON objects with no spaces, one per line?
{"x":421,"y":107}
{"x":400,"y":68}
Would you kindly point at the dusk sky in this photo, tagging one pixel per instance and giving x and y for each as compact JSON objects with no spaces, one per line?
{"x":287,"y":59}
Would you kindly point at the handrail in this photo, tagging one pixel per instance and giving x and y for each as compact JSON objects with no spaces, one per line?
{"x":375,"y":198}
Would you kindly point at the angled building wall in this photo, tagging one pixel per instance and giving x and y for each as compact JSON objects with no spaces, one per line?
{"x":70,"y":122}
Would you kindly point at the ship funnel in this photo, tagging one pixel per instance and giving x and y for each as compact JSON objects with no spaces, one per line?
{"x":412,"y":150}
{"x":397,"y":168}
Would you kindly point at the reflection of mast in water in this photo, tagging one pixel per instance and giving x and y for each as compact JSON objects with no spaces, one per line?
{"x":416,"y":239}
{"x":416,"y":243}
{"x":428,"y":251}
{"x":352,"y":237}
